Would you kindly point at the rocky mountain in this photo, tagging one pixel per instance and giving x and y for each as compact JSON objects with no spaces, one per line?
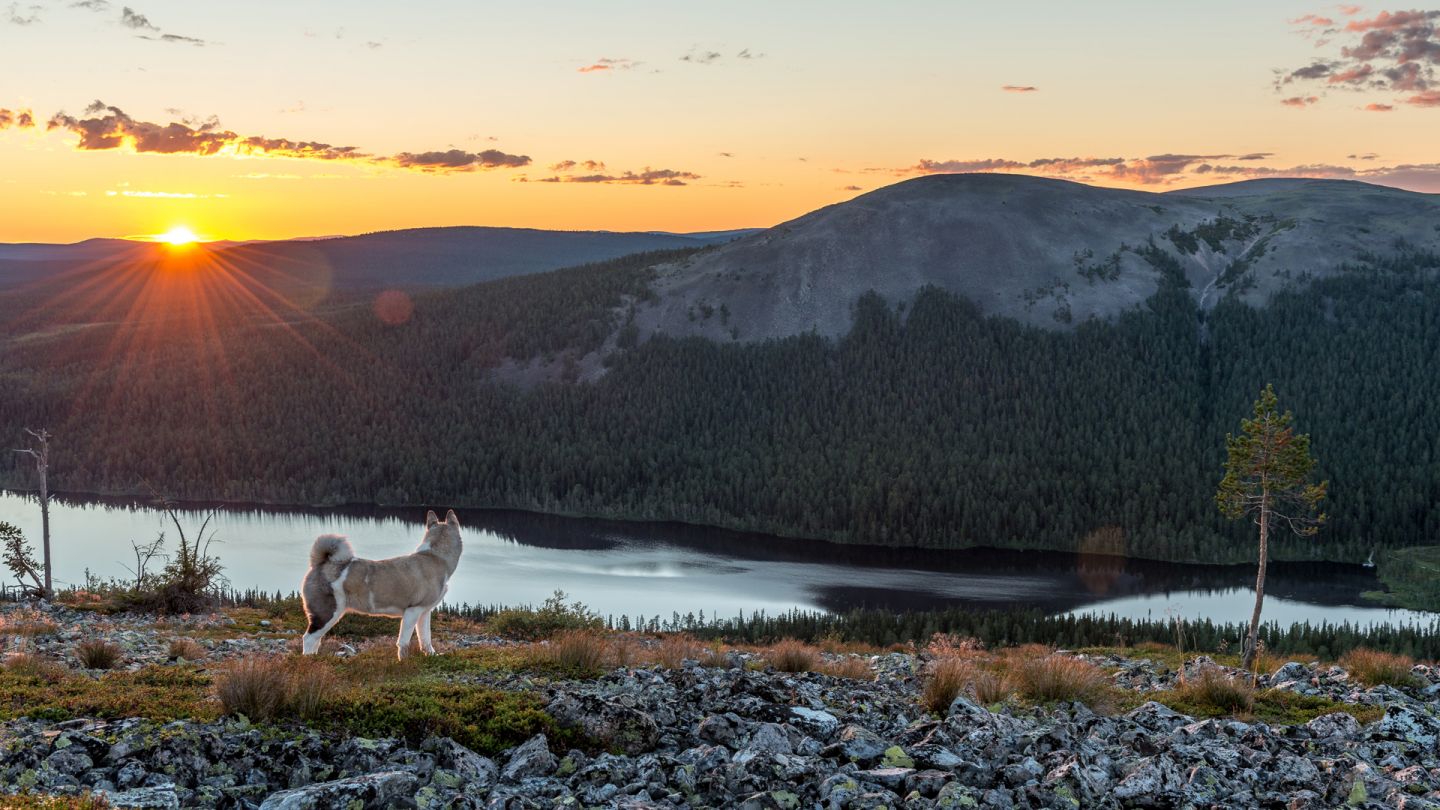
{"x":1050,"y":253}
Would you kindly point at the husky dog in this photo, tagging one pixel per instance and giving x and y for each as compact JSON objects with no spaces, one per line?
{"x":407,"y":588}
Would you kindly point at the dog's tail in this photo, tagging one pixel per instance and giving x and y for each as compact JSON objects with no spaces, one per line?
{"x":331,"y":548}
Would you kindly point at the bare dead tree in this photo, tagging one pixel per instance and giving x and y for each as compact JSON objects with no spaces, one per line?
{"x":41,"y":456}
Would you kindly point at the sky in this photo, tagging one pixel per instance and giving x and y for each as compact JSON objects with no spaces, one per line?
{"x":271,"y":119}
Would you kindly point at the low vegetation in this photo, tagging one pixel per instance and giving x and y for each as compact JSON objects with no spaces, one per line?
{"x":1216,"y":692}
{"x":1373,"y":668}
{"x":98,"y":654}
{"x":792,"y":655}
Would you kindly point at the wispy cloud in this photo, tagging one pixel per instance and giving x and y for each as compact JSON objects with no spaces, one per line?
{"x":609,"y":65}
{"x":645,"y":177}
{"x":1392,"y":52}
{"x":1019,"y":88}
{"x":105,"y":127}
{"x":134,"y":20}
{"x":1173,"y":170}
{"x":1299,"y":101}
{"x":164,"y":195}
{"x":27,"y":16}
{"x":92,"y":5}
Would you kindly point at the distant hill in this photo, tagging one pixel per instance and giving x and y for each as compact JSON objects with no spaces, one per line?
{"x":1048,"y":253}
{"x":422,"y":257}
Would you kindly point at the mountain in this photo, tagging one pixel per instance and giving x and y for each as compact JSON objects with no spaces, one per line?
{"x":919,"y":415}
{"x":422,"y":257}
{"x":1049,"y":253}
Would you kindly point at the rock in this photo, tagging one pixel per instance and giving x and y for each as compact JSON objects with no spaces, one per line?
{"x":1291,"y":671}
{"x":1408,"y":723}
{"x":1334,"y":727}
{"x":818,"y":724}
{"x":858,"y":744}
{"x":891,"y":778}
{"x":151,"y":798}
{"x":724,"y":729}
{"x":619,"y":726}
{"x":530,"y":760}
{"x":1154,"y":782}
{"x":386,"y":789}
{"x":473,"y":769}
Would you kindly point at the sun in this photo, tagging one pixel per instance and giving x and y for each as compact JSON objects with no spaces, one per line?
{"x":178,"y":236}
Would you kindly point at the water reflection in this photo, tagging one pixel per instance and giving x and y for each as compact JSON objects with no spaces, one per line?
{"x":660,"y":569}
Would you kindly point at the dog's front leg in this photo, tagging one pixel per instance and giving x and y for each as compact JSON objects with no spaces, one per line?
{"x":407,"y":630}
{"x":424,"y":628}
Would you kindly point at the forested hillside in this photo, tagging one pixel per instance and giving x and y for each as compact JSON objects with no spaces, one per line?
{"x":929,"y":424}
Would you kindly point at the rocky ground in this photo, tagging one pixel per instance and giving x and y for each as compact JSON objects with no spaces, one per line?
{"x":741,"y":737}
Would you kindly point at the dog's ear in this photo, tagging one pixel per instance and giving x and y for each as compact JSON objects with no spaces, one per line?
{"x":430,"y":519}
{"x":451,"y":519}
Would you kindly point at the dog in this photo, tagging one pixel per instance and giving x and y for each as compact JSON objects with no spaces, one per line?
{"x":407,"y":588}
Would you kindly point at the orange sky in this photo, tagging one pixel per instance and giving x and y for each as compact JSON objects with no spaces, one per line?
{"x":322,"y":118}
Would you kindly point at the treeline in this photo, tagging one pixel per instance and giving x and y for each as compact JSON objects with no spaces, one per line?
{"x":928,"y":425}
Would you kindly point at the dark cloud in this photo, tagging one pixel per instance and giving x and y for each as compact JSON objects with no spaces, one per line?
{"x":571,"y":165}
{"x":105,"y":127}
{"x":746,"y":53}
{"x":19,"y":119}
{"x":130,"y":19}
{"x":1255,"y":156}
{"x":1395,"y":52}
{"x":647,"y":177}
{"x":92,"y":5}
{"x":1429,"y":98}
{"x":1019,"y":88}
{"x":176,"y":39}
{"x":852,"y":188}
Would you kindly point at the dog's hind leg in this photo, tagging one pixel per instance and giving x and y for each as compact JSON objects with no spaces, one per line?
{"x":324,"y":606}
{"x":423,"y":626}
{"x":407,"y":630}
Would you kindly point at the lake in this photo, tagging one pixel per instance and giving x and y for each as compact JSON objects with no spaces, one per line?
{"x":616,"y":568}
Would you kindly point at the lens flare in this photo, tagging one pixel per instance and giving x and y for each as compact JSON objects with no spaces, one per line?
{"x":178,"y":236}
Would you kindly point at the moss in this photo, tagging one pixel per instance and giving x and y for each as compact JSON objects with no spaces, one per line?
{"x":1277,"y":707}
{"x":27,"y":801}
{"x":895,"y":757}
{"x":155,"y":693}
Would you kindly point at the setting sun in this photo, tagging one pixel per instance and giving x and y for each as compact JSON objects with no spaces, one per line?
{"x":178,"y":235}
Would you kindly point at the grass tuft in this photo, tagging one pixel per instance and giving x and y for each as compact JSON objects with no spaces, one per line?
{"x":98,"y":654}
{"x":1053,"y":678}
{"x":186,"y":649}
{"x":1217,"y":693}
{"x":577,"y":652}
{"x":792,"y":655}
{"x":276,"y":688}
{"x":1374,"y":668}
{"x":674,"y":649}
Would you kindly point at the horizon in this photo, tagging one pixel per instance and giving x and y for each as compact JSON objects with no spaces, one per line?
{"x":284,"y":124}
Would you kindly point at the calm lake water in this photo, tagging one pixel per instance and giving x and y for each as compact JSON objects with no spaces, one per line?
{"x":635,"y":569}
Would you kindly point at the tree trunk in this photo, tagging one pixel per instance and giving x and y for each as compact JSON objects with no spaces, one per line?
{"x":45,"y":525}
{"x":1253,"y":640}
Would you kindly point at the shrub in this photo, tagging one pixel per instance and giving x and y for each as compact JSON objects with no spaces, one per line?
{"x":28,"y":801}
{"x":186,"y":649}
{"x":1057,"y":677}
{"x":98,"y":654}
{"x":555,"y":616}
{"x":791,"y":655}
{"x":1374,"y":668}
{"x":1214,"y":692}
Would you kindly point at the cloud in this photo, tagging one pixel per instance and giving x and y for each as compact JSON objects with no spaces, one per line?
{"x":1255,"y":156}
{"x":746,"y":53}
{"x":15,"y":16}
{"x":1374,"y":107}
{"x":1394,"y":52}
{"x":105,"y":127}
{"x":1020,"y":88}
{"x":646,"y":177}
{"x":1429,"y":98}
{"x":19,"y":119}
{"x":570,"y":165}
{"x":130,"y":19}
{"x":1179,"y":170}
{"x":92,"y":5}
{"x":164,"y":195}
{"x":608,"y":65}
{"x":852,"y":188}
{"x":701,"y":57}
{"x":1299,"y":101}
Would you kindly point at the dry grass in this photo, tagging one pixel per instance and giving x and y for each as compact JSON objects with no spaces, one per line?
{"x":791,"y":655}
{"x":98,"y":654}
{"x":715,"y":656}
{"x":36,"y":666}
{"x":674,"y":649}
{"x":576,"y":651}
{"x":1217,"y":690}
{"x":1374,"y":668}
{"x":275,"y":687}
{"x":849,"y":666}
{"x":1052,"y":678}
{"x":984,"y":680}
{"x":626,"y":651}
{"x":947,"y":645}
{"x":28,"y":624}
{"x":186,"y":649}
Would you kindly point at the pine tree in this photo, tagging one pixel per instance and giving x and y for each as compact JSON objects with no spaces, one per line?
{"x":1267,"y":477}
